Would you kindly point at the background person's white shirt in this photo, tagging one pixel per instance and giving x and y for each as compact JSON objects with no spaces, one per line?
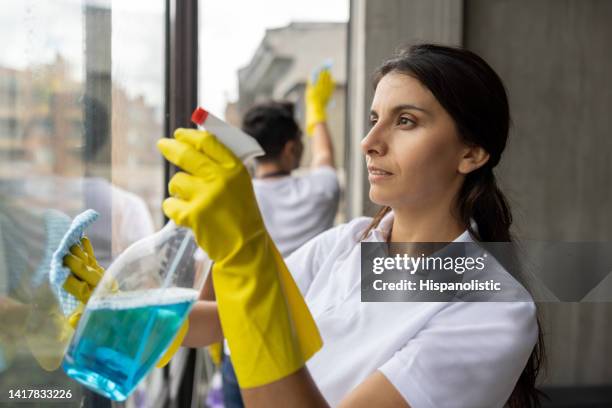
{"x":125,"y":212}
{"x":298,"y":208}
{"x":124,"y":216}
{"x":436,"y":354}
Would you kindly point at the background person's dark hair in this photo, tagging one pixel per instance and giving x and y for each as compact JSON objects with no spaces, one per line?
{"x":475,"y":97}
{"x":272,"y":124}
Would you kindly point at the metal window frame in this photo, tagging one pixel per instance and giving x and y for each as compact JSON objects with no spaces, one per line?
{"x":97,"y":111}
{"x":181,"y":68}
{"x":180,"y":98}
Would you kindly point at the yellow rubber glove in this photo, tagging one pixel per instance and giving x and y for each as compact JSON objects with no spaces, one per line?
{"x":174,"y":346}
{"x":215,"y":351}
{"x":39,"y":324}
{"x":86,"y":274}
{"x":14,"y":315}
{"x":268,"y":326}
{"x":48,"y":331}
{"x":317,"y":97}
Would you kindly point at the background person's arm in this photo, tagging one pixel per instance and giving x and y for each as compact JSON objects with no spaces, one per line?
{"x":317,"y":97}
{"x":322,"y":146}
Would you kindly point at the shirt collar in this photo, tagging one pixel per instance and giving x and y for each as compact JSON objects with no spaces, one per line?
{"x":381,"y":232}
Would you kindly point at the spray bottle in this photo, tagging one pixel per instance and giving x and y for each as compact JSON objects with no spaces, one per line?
{"x":145,"y":296}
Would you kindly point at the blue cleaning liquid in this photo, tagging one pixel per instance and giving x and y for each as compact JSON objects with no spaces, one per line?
{"x":120,"y":339}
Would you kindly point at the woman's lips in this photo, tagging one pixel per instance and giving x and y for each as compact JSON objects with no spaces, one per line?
{"x":377,"y":174}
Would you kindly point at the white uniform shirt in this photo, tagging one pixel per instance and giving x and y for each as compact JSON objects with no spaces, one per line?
{"x":436,"y":354}
{"x":296,"y":209}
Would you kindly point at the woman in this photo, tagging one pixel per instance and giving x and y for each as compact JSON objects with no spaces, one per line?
{"x":439,"y":125}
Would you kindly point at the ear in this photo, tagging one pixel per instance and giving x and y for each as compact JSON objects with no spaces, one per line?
{"x":289,"y":148}
{"x":473,"y":158}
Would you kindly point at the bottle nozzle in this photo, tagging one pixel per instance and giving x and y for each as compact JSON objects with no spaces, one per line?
{"x":199,"y":116}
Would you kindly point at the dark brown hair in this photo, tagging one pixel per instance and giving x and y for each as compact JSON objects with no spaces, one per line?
{"x":475,"y":97}
{"x":272,"y":124}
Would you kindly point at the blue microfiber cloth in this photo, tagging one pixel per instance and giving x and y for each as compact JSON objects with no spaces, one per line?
{"x":58,"y":272}
{"x":56,"y":225}
{"x":326,"y":65}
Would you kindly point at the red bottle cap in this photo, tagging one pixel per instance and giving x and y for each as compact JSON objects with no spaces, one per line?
{"x":199,"y":116}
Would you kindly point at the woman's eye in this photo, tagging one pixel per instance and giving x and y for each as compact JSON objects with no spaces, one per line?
{"x":373,"y":121}
{"x":403,"y":120}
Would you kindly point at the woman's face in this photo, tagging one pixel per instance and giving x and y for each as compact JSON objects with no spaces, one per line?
{"x":413,"y":151}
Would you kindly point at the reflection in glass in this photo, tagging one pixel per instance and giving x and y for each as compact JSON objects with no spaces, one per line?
{"x":81,"y":105}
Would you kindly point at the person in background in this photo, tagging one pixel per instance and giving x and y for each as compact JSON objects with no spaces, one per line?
{"x":295,"y":208}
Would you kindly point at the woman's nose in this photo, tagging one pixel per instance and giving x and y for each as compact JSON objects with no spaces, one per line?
{"x":374,"y":143}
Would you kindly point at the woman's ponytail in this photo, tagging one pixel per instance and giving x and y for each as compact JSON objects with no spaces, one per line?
{"x":482,"y":200}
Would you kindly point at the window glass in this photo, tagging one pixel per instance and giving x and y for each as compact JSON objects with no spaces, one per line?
{"x":81,"y":106}
{"x":268,"y":54}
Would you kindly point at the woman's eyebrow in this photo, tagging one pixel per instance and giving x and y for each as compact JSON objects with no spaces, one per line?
{"x":407,"y":106}
{"x":404,"y":106}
